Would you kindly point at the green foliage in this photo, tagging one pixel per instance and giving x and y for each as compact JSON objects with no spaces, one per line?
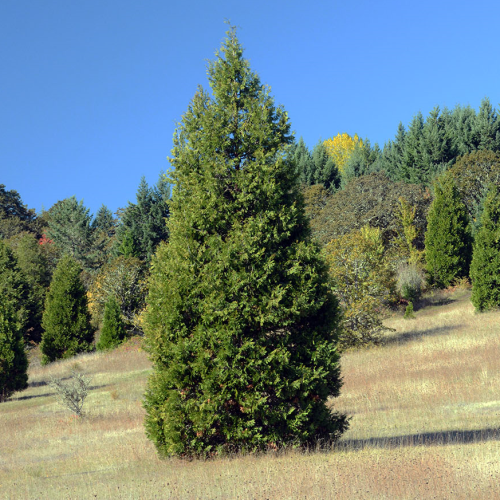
{"x":113,"y":330}
{"x":66,"y":319}
{"x":143,"y":224}
{"x":363,"y":281}
{"x":363,"y":160}
{"x":15,"y":217}
{"x":69,"y":227}
{"x":472,"y":174}
{"x":448,"y":241}
{"x":13,"y":359}
{"x":32,"y":262}
{"x":485,"y":267}
{"x":124,"y":279}
{"x":431,"y":146}
{"x":241,"y":325}
{"x":370,"y":200}
{"x":409,"y":311}
{"x":13,"y":286}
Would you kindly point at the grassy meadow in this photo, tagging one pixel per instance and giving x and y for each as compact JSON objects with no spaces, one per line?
{"x":425,"y":411}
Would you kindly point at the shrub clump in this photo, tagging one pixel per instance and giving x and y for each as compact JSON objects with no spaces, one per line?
{"x":72,"y":392}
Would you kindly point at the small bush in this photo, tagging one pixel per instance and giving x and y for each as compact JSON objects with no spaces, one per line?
{"x":410,"y":282}
{"x":409,"y":311}
{"x":72,"y":393}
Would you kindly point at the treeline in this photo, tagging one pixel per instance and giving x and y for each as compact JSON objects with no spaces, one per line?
{"x":66,"y":274}
{"x":417,"y":154}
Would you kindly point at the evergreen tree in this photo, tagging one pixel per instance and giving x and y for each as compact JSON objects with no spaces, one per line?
{"x":113,"y":329}
{"x":70,"y":229}
{"x":13,"y":359}
{"x":66,"y":318}
{"x":15,"y":217}
{"x":361,"y":162}
{"x":241,"y":324}
{"x":303,"y":162}
{"x":487,"y":127}
{"x":13,"y":287}
{"x":32,"y":262}
{"x":485,"y":267}
{"x":143,"y":224}
{"x":448,"y":242}
{"x":324,"y":170}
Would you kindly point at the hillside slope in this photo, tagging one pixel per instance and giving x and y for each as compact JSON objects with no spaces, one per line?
{"x":425,"y":413}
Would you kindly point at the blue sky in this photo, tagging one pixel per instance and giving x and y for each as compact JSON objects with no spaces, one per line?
{"x":90,"y":91}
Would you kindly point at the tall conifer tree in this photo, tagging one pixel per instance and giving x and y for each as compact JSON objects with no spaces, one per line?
{"x":241,"y":324}
{"x":13,"y":359}
{"x":66,"y":318}
{"x":485,"y":267}
{"x":448,"y":241}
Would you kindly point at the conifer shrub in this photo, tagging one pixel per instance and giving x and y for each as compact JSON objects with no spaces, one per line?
{"x":409,"y":311}
{"x":241,"y":324}
{"x":113,"y":329}
{"x":66,"y":318}
{"x":448,"y":240}
{"x":13,"y":359}
{"x":485,"y":267}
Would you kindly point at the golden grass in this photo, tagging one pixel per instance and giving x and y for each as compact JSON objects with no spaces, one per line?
{"x":425,"y":413}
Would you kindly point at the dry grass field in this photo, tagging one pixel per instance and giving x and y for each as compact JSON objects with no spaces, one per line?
{"x":425,"y":423}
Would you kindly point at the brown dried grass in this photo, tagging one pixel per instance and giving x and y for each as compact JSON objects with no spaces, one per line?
{"x":425,"y":414}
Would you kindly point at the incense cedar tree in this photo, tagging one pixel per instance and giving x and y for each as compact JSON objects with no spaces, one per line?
{"x":113,"y":329}
{"x":13,"y":359}
{"x":66,"y":318}
{"x":241,"y":324}
{"x":485,"y":267}
{"x":448,"y":240}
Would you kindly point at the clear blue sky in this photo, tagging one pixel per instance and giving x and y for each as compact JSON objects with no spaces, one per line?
{"x":90,"y":91}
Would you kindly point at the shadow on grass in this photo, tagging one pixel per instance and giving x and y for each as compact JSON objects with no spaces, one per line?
{"x":45,"y":394}
{"x":424,"y":439}
{"x":433,"y":301}
{"x":419,"y":334}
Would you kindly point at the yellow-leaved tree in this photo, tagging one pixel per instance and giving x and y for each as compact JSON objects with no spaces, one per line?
{"x":340,"y":148}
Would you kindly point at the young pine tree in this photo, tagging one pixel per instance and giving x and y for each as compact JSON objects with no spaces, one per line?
{"x":66,"y":318}
{"x":448,"y":241}
{"x":485,"y":267}
{"x":241,"y":324}
{"x":13,"y":359}
{"x":113,"y":329}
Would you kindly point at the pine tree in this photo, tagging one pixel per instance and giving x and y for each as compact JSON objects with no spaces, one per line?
{"x":66,"y":318}
{"x":241,"y":324}
{"x":13,"y":359}
{"x":448,"y":241}
{"x":113,"y":329}
{"x":485,"y":267}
